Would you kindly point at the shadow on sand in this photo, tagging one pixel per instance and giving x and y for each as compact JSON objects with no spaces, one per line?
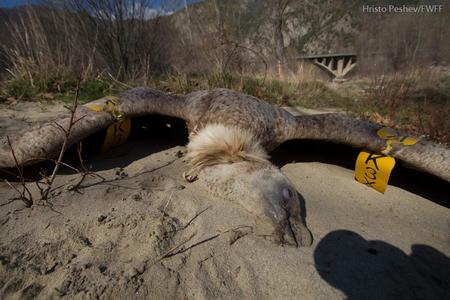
{"x":149,"y":134}
{"x":365,"y":269}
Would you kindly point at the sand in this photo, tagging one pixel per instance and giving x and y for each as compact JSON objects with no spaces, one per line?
{"x":145,"y":233}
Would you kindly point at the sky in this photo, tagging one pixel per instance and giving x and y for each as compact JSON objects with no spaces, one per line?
{"x":155,"y":7}
{"x":12,"y":3}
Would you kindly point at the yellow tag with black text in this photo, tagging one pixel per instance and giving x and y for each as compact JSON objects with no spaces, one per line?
{"x":116,"y":134}
{"x":374,"y":170}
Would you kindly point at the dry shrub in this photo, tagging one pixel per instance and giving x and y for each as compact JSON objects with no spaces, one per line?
{"x":433,"y":120}
{"x":45,"y":42}
{"x":417,"y":101}
{"x":307,"y":71}
{"x":84,"y":37}
{"x":392,"y":89}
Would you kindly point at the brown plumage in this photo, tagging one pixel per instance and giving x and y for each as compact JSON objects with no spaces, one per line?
{"x":269,"y":124}
{"x":255,"y":126}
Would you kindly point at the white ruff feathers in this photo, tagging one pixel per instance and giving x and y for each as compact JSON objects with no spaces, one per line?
{"x":218,"y":144}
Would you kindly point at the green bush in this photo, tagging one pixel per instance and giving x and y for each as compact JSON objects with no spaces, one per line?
{"x":20,"y":89}
{"x":58,"y":87}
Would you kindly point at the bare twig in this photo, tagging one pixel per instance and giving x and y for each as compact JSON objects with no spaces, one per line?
{"x":119,"y":82}
{"x":193,"y":218}
{"x":25,"y":194}
{"x":172,"y":251}
{"x":167,"y":204}
{"x":49,"y":181}
{"x":85,"y":172}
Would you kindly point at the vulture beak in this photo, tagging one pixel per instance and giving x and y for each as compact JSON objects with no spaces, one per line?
{"x":285,"y":210}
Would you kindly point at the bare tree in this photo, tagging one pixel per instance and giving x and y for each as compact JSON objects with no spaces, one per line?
{"x":278,"y":17}
{"x":394,"y":42}
{"x":127,"y":33}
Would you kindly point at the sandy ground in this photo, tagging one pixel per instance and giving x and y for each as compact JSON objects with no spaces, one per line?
{"x":145,"y":233}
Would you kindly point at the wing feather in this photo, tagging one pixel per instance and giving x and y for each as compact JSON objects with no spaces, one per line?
{"x":45,"y":141}
{"x":424,"y":155}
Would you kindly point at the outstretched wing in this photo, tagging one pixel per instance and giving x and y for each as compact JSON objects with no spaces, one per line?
{"x":418,"y":153}
{"x":45,"y":141}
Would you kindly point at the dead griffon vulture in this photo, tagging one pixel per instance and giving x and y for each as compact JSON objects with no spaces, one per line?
{"x":230,"y":134}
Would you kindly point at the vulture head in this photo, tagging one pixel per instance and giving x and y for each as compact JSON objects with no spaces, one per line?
{"x":231,"y":163}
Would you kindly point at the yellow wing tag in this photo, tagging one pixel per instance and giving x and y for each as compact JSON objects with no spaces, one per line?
{"x":108,"y":103}
{"x":97,"y":107}
{"x":116,"y":134}
{"x":393,"y":138}
{"x":374,"y":170}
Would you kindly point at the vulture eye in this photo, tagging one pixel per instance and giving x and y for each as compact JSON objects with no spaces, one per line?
{"x":287,"y":197}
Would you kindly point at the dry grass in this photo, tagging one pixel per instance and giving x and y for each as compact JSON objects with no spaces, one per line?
{"x":417,"y":101}
{"x":44,"y":44}
{"x":390,"y":90}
